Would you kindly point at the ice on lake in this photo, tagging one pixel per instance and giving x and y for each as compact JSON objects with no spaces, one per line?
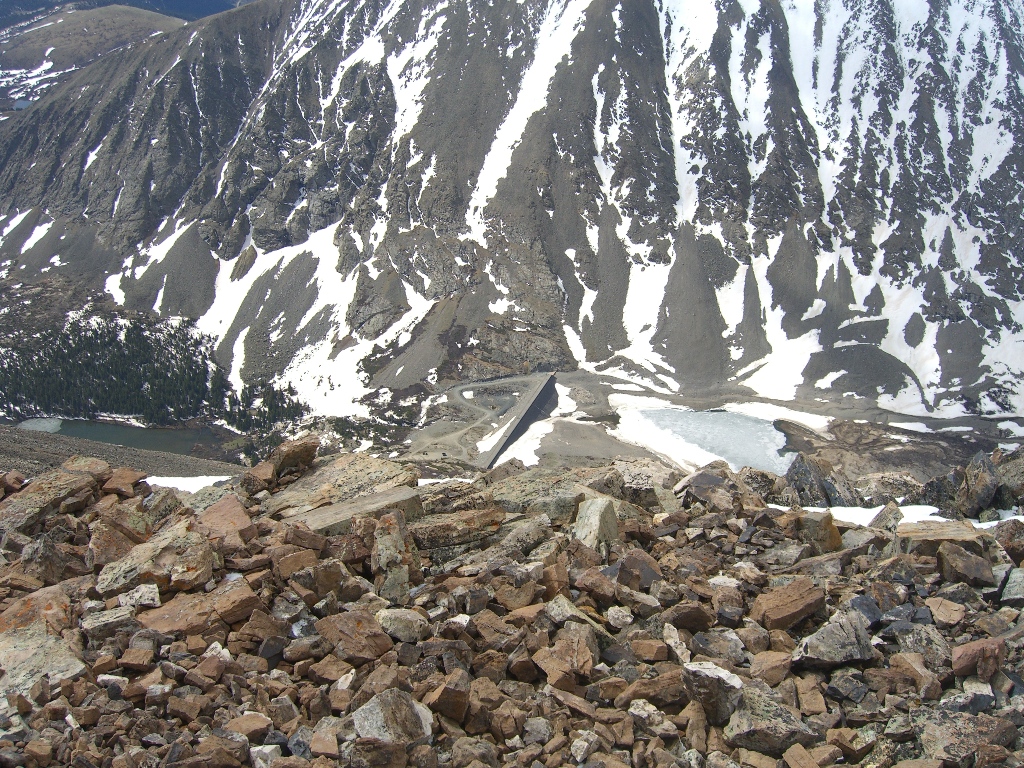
{"x":699,"y":437}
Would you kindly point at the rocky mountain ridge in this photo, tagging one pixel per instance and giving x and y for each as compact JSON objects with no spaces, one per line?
{"x":21,"y":12}
{"x":354,"y":197}
{"x":332,"y":611}
{"x":38,"y":54}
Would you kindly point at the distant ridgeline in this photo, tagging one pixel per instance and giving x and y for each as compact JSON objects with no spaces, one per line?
{"x":17,"y":11}
{"x":160,"y":371}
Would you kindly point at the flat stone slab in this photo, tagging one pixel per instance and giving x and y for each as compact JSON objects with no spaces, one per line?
{"x":350,"y":476}
{"x":28,"y":653}
{"x":336,"y":519}
{"x":40,"y":498}
{"x":926,"y":537}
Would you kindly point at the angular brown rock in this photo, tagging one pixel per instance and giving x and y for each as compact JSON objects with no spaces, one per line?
{"x":783,"y":607}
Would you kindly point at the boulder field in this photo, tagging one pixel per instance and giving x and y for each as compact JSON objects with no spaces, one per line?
{"x":325,"y":611}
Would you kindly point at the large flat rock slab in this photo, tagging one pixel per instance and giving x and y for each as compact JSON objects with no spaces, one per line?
{"x":335,"y":519}
{"x":348,"y":477}
{"x":27,"y":653}
{"x":23,"y":511}
{"x":925,"y":537}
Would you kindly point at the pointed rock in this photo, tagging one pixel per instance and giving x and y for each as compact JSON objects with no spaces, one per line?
{"x":596,"y":523}
{"x":717,"y":689}
{"x":843,"y":640}
{"x":762,"y":724}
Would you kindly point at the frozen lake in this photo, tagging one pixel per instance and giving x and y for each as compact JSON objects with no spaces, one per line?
{"x":700,"y":437}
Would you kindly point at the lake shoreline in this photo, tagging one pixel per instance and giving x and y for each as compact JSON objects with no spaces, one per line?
{"x":36,"y":452}
{"x":195,"y":438}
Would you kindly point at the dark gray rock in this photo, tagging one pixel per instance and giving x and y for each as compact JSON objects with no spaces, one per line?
{"x":763,"y":725}
{"x":843,"y":640}
{"x":717,"y":689}
{"x":981,"y":480}
{"x":819,"y":484}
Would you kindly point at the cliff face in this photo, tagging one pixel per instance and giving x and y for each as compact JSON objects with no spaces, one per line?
{"x":804,"y":200}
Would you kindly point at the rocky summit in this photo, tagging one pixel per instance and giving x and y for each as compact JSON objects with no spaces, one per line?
{"x":790,"y":199}
{"x":333,"y":611}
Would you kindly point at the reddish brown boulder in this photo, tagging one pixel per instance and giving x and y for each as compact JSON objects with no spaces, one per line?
{"x":253,"y":725}
{"x":451,"y":698}
{"x":357,"y":636}
{"x":235,"y":601}
{"x":228,"y":523}
{"x":186,"y":614}
{"x":122,"y":481}
{"x":98,"y":469}
{"x":982,"y":657}
{"x":783,"y":607}
{"x":50,"y":604}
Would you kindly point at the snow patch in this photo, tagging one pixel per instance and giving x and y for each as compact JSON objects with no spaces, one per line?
{"x":187,"y":484}
{"x":238,"y":360}
{"x":12,"y":224}
{"x":37,"y":234}
{"x":782,"y":370}
{"x":562,"y":22}
{"x":157,"y":252}
{"x":112,"y":285}
{"x":771,"y":412}
{"x":409,"y":71}
{"x":500,"y":306}
{"x":92,"y":156}
{"x":826,"y":382}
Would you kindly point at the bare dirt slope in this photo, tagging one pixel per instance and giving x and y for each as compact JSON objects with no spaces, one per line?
{"x":33,"y":452}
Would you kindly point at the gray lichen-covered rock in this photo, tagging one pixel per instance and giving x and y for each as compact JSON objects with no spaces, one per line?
{"x":402,"y":624}
{"x":1013,"y":592}
{"x":843,"y":640}
{"x":394,"y":716}
{"x":888,"y":518}
{"x":596,"y":523}
{"x":954,"y":737}
{"x":178,"y":556}
{"x":395,"y":559}
{"x":925,"y":639}
{"x":347,"y":477}
{"x":29,"y":653}
{"x":762,"y":724}
{"x":717,"y":689}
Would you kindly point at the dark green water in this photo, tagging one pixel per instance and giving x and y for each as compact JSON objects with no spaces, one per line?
{"x":168,"y":440}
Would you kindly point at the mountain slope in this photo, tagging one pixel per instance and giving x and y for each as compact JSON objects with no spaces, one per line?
{"x":36,"y":56}
{"x":21,"y":11}
{"x":801,"y":199}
